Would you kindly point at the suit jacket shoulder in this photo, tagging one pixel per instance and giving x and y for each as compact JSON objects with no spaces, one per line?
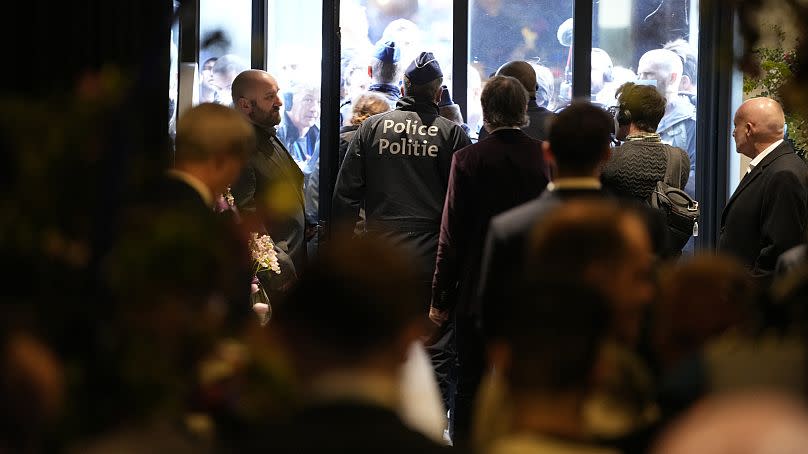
{"x":348,"y":427}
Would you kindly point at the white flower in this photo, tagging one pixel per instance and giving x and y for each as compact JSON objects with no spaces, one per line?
{"x":263,"y":252}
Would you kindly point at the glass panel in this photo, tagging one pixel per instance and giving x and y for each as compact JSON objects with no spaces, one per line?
{"x":653,"y":42}
{"x":225,"y":30}
{"x":294,"y":50}
{"x":536,"y":31}
{"x":413,"y":26}
{"x":173,"y":75}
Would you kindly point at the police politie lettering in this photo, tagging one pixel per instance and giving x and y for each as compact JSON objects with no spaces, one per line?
{"x":409,"y":146}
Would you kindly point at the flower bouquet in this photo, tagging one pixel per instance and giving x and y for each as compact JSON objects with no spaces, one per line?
{"x":265,"y":257}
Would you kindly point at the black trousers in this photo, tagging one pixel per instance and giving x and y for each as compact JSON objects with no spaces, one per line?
{"x":459,"y":360}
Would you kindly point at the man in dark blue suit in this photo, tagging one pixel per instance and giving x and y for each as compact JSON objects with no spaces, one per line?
{"x":493,"y":175}
{"x":768,"y":213}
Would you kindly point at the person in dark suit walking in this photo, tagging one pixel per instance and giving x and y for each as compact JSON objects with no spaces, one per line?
{"x":346,"y":327}
{"x":768,"y":212}
{"x":271,"y":185}
{"x":487,"y":178}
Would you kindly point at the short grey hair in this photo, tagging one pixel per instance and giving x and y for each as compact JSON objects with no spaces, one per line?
{"x":504,"y":102}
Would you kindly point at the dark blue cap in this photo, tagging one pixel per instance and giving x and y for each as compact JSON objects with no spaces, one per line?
{"x":387,"y":52}
{"x":423,"y":69}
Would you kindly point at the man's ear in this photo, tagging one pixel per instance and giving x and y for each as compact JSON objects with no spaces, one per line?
{"x":243,"y":104}
{"x":370,"y":71}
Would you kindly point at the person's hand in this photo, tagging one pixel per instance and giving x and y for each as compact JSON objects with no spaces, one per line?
{"x":438,"y":316}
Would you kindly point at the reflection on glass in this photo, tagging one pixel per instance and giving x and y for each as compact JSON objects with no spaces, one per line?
{"x":294,"y":51}
{"x":652,"y":42}
{"x":225,"y":39}
{"x":539,"y":32}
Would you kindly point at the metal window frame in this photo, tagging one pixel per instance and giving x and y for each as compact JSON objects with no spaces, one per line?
{"x":260,"y":22}
{"x":714,"y":113}
{"x":329,"y":112}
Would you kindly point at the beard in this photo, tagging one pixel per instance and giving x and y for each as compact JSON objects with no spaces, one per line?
{"x":265,"y":118}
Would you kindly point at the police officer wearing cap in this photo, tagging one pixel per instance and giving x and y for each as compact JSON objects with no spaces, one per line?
{"x":397,"y":168}
{"x":385,"y":72}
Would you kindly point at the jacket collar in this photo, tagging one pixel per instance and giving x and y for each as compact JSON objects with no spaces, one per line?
{"x":388,"y":89}
{"x":781,"y":150}
{"x":410,"y":104}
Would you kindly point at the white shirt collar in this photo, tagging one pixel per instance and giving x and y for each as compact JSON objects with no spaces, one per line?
{"x":194,"y":182}
{"x":765,"y":153}
{"x":574,"y":183}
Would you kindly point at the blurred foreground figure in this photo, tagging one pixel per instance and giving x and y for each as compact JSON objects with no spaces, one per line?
{"x":547,"y":358}
{"x":348,"y":325}
{"x":179,"y":274}
{"x":213,"y":144}
{"x":751,"y":423}
{"x":598,"y":245}
{"x":31,"y":391}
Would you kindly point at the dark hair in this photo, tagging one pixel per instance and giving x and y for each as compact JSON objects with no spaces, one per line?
{"x":353,"y":300}
{"x":642,"y":105}
{"x":504,"y":101}
{"x":427,"y":91}
{"x":522,"y":71}
{"x":554,"y":332}
{"x":385,"y":72}
{"x":579,"y":136}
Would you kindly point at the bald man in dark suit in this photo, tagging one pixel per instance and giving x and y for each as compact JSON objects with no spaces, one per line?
{"x":768,"y":213}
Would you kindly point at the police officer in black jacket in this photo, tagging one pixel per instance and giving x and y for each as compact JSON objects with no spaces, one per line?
{"x":397,"y":169}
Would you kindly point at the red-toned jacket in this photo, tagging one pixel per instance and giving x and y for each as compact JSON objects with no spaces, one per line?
{"x":502,"y":171}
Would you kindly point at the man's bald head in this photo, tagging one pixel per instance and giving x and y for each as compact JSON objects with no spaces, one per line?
{"x":523,"y":72}
{"x":247,"y":81}
{"x":256,"y":95}
{"x":663,"y":66}
{"x":759,"y":122}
